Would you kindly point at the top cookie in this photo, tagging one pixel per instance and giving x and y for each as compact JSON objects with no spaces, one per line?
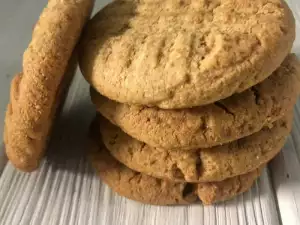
{"x":180,"y":54}
{"x":35,"y":92}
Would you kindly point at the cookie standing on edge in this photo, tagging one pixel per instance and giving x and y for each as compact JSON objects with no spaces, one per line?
{"x":35,"y":92}
{"x":150,"y":190}
{"x":181,"y":54}
{"x":201,"y":165}
{"x":206,"y":126}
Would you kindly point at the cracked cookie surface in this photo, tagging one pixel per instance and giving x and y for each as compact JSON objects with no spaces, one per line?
{"x":150,"y":190}
{"x":201,"y":165}
{"x":35,"y":93}
{"x":201,"y":127}
{"x":180,"y":54}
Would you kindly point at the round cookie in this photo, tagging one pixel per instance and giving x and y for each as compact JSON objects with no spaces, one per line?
{"x":180,"y":54}
{"x":150,"y":190}
{"x":201,"y":165}
{"x":36,"y":92}
{"x":202,"y":127}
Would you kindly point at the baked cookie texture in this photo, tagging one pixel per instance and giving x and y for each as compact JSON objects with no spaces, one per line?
{"x":181,"y":54}
{"x":206,"y":126}
{"x":150,"y":190}
{"x":201,"y":165}
{"x":35,"y":93}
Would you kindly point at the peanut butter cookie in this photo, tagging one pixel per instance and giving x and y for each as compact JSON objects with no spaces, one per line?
{"x":181,"y":54}
{"x":206,"y":126}
{"x":150,"y":190}
{"x":35,"y":93}
{"x":201,"y":165}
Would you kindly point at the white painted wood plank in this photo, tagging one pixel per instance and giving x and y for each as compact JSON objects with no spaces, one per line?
{"x":285,"y":168}
{"x":286,"y":177}
{"x":49,"y":202}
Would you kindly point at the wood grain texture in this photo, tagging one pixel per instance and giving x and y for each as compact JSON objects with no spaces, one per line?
{"x":66,"y":191}
{"x":286,"y":166}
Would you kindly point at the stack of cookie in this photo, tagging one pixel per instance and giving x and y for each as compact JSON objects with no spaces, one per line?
{"x":195,"y":96}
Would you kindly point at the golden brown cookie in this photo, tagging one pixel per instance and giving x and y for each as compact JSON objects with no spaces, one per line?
{"x":201,"y":127}
{"x":150,"y":190}
{"x":212,"y":192}
{"x":35,"y":93}
{"x":180,"y":54}
{"x":201,"y":165}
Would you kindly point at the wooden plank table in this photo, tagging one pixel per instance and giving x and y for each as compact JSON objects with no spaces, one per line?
{"x":66,"y":191}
